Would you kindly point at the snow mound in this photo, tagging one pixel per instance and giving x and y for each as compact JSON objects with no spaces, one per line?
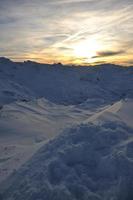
{"x":87,"y":162}
{"x":126,"y":112}
{"x":119,"y":111}
{"x":26,"y":125}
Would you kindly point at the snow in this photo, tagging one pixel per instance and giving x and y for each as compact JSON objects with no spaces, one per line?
{"x":119,"y":111}
{"x":65,"y":132}
{"x":113,"y":109}
{"x":85,"y":162}
{"x":126,"y":112}
{"x":26,"y":126}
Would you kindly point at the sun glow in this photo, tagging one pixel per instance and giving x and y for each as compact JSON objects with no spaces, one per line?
{"x":87,"y":48}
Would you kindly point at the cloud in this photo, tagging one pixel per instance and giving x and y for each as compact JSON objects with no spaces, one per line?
{"x":41,"y":25}
{"x":65,"y":49}
{"x":108,"y":53}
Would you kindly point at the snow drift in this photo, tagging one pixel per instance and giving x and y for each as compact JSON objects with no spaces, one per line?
{"x":85,"y":162}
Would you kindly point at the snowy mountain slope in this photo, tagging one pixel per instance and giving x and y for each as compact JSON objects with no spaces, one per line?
{"x":92,"y":160}
{"x":10,"y":90}
{"x":66,"y":84}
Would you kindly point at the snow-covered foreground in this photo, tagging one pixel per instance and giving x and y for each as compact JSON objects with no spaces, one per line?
{"x":86,"y":162}
{"x":66,"y":133}
{"x":26,"y":126}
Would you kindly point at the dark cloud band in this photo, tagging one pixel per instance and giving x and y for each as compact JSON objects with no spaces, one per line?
{"x":108,"y":53}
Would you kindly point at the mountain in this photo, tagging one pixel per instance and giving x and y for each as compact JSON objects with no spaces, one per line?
{"x":65,"y":132}
{"x":63,"y":85}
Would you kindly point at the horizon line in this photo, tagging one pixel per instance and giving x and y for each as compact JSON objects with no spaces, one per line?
{"x":95,"y":64}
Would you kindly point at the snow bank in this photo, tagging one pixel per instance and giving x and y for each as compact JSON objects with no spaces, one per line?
{"x":86,"y":162}
{"x":26,"y":126}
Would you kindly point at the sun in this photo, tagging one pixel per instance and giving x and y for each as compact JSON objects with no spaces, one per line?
{"x":87,"y":48}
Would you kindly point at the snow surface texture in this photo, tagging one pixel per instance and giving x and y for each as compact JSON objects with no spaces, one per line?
{"x":80,"y":118}
{"x":26,"y":126}
{"x":86,"y":162}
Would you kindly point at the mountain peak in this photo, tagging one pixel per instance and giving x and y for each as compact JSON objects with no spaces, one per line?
{"x":5,"y":60}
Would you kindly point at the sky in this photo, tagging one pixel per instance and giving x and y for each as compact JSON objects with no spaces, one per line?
{"x":67,"y":31}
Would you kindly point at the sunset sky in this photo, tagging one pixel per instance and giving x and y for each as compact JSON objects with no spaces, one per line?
{"x":68,"y":31}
